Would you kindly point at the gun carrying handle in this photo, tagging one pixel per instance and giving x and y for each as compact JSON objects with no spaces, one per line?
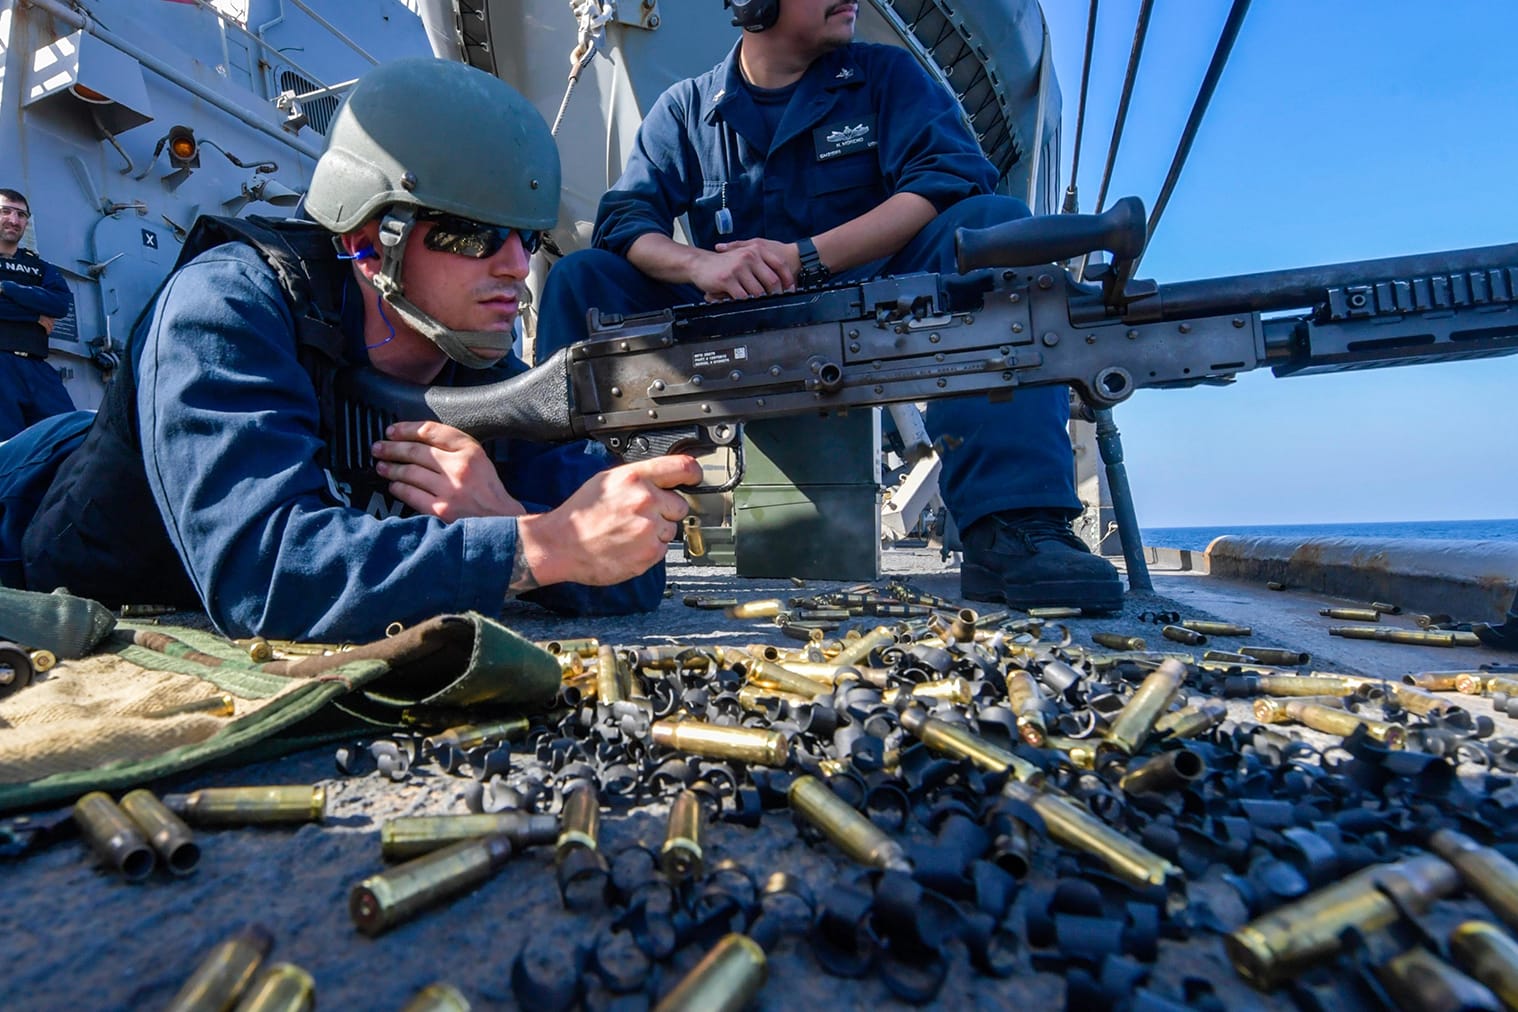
{"x":1047,"y":238}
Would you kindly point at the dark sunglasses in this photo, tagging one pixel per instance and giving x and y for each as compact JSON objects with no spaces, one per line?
{"x":452,"y":234}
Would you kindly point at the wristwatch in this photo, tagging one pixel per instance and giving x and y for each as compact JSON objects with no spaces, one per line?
{"x":813,"y":271}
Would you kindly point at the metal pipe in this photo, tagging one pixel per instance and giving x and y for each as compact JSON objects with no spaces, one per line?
{"x":1109,"y":444}
{"x":329,"y":26}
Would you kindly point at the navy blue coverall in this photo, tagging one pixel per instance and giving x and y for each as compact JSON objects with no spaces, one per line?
{"x":865,"y":122}
{"x":29,"y":287}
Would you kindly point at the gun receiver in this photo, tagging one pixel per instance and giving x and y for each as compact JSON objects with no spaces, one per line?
{"x":686,"y":378}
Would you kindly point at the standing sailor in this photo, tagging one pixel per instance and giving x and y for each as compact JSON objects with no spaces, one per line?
{"x":33,"y":295}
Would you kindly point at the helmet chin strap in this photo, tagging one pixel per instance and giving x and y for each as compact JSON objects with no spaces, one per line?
{"x":395,"y":228}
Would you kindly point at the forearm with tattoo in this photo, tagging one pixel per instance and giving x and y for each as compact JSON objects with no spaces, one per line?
{"x":522,"y":578}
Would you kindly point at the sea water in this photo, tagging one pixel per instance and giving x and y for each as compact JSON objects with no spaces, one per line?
{"x":1198,"y":538}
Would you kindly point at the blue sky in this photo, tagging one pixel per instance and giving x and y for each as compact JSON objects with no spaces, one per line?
{"x":1340,"y":131}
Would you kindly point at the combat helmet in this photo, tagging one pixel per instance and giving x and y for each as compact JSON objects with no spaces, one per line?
{"x":426,"y":134}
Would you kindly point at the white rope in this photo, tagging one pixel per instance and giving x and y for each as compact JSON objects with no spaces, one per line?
{"x":591,"y":16}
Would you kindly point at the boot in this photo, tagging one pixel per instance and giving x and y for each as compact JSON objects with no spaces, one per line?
{"x":1031,"y":559}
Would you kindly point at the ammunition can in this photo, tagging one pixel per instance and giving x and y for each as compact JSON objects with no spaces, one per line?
{"x":695,"y":541}
{"x":1180,"y":634}
{"x":382,"y":901}
{"x":1071,"y":825}
{"x":409,"y":836}
{"x":468,"y":736}
{"x":768,"y":673}
{"x":957,"y":741}
{"x":225,"y":972}
{"x":681,"y":854}
{"x":1342,"y":722}
{"x":250,"y":806}
{"x":114,"y":836}
{"x":744,"y":744}
{"x":43,"y":660}
{"x":170,"y":837}
{"x":1192,"y":720}
{"x":1028,"y":703}
{"x":1164,"y":772}
{"x":1134,"y":722}
{"x":1272,"y":655}
{"x":437,"y":998}
{"x":1216,"y":628}
{"x":1117,"y":641}
{"x":1487,"y":953}
{"x":1351,"y":614}
{"x":858,"y":652}
{"x":283,"y":987}
{"x":1485,"y":872}
{"x":1422,"y":982}
{"x":726,"y":979}
{"x":1434,"y":681}
{"x":767,"y":608}
{"x":1272,"y":949}
{"x":850,"y":831}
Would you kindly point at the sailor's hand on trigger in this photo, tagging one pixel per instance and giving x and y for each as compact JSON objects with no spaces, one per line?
{"x":443,"y":472}
{"x":616,"y":526}
{"x":744,"y":268}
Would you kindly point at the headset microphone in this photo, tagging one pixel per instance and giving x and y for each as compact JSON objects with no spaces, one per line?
{"x":754,"y":15}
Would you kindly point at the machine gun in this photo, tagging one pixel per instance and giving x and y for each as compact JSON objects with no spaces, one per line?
{"x":685,"y":379}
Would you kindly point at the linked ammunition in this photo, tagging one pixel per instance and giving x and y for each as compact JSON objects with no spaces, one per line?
{"x":1166,"y":771}
{"x":225,"y":972}
{"x":409,"y":836}
{"x":168,"y":834}
{"x":894,"y":610}
{"x":957,"y":741}
{"x":1192,"y":721}
{"x":1134,"y":722}
{"x":695,"y":541}
{"x":581,"y":822}
{"x":221,"y":705}
{"x":1070,"y":824}
{"x":437,"y":998}
{"x":1489,"y":954}
{"x":1117,"y":641}
{"x":1272,"y":949}
{"x":249,"y":806}
{"x":1272,"y":655}
{"x":1351,"y":614}
{"x":1426,"y":638}
{"x":952,"y":690}
{"x":1028,"y":703}
{"x":1485,"y":872}
{"x":767,"y":608}
{"x":858,"y":652}
{"x":681,"y":854}
{"x":1180,"y":634}
{"x":283,"y":987}
{"x":1422,"y":982}
{"x":850,"y":831}
{"x":768,"y":673}
{"x":716,"y":741}
{"x":828,"y":615}
{"x":726,"y":980}
{"x":43,"y":660}
{"x":382,"y":901}
{"x":1216,"y":628}
{"x":114,"y":836}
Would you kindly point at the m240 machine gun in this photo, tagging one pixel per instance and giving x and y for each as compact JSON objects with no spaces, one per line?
{"x":685,"y":379}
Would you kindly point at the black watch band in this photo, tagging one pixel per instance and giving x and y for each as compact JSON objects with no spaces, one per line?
{"x":813,"y":270}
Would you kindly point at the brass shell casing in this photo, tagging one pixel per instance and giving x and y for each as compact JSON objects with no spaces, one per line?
{"x":168,"y":834}
{"x":1489,"y":954}
{"x":1342,"y":722}
{"x":766,"y":608}
{"x":1166,"y":771}
{"x":1484,"y":870}
{"x":963,"y":626}
{"x":850,"y":831}
{"x":1070,"y":824}
{"x":681,"y":856}
{"x":942,"y":736}
{"x":225,"y":972}
{"x":1180,"y":634}
{"x":1304,"y":685}
{"x":1351,"y":614}
{"x":1216,"y":628}
{"x":1135,"y":721}
{"x":584,"y":646}
{"x":250,"y":806}
{"x":382,"y":901}
{"x":1053,"y":612}
{"x":726,"y":980}
{"x":952,"y":690}
{"x":1434,"y":681}
{"x":716,"y":741}
{"x":437,"y":997}
{"x":114,"y":836}
{"x":1117,"y":641}
{"x":220,"y":705}
{"x":1421,"y":980}
{"x":859,"y":651}
{"x":1273,"y":948}
{"x":1414,"y":637}
{"x":751,"y":698}
{"x":1028,"y":703}
{"x":409,"y":836}
{"x":608,"y":677}
{"x":774,"y":676}
{"x":43,"y":660}
{"x":1273,"y":655}
{"x":283,"y":987}
{"x":468,"y":736}
{"x":695,"y":541}
{"x":1192,"y":720}
{"x":580,"y":822}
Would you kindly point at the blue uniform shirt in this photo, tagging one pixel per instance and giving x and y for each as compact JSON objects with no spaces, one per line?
{"x":866,"y":122}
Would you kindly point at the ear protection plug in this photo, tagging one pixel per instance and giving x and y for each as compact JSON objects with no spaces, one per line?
{"x":363,"y":253}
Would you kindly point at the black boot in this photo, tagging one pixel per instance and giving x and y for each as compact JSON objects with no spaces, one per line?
{"x":1031,"y":559}
{"x":1503,"y":636}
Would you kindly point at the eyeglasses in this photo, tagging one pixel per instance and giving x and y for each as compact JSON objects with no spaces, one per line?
{"x":474,"y":239}
{"x":19,"y":212}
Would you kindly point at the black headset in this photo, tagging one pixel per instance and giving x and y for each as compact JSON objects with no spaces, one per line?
{"x":754,"y":15}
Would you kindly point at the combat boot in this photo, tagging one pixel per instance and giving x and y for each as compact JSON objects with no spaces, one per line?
{"x":1031,"y":559}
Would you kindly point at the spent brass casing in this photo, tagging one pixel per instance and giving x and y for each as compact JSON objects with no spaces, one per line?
{"x":1028,"y":703}
{"x":114,"y":836}
{"x":1385,"y":608}
{"x":726,"y":980}
{"x":220,"y":705}
{"x":608,"y":677}
{"x":438,"y":997}
{"x":850,"y":831}
{"x":957,"y":741}
{"x":585,"y":646}
{"x":283,"y":987}
{"x":1180,"y":634}
{"x":225,"y":972}
{"x":1487,"y":953}
{"x":752,"y":698}
{"x":1485,"y":872}
{"x":1228,"y":657}
{"x":258,"y":649}
{"x":709,"y":603}
{"x":680,"y":856}
{"x":1434,"y":681}
{"x":963,"y":626}
{"x":1216,"y":628}
{"x":43,"y":660}
{"x":1134,"y":722}
{"x":695,"y":541}
{"x":1413,"y":637}
{"x":952,"y":690}
{"x":1351,"y":614}
{"x":1341,"y":722}
{"x":1273,"y":948}
{"x":408,"y":836}
{"x":772,"y":675}
{"x":1053,"y":612}
{"x":825,"y":672}
{"x":580,"y":822}
{"x":1164,"y":772}
{"x":859,"y":651}
{"x":382,"y":901}
{"x":766,"y":608}
{"x":1303,"y":685}
{"x":1273,"y":655}
{"x":668,"y":658}
{"x":1420,"y":701}
{"x":1423,"y":982}
{"x":744,"y":744}
{"x":1070,"y":824}
{"x":1192,"y":720}
{"x":168,"y":834}
{"x":468,"y":736}
{"x":1117,"y":641}
{"x":1079,"y":752}
{"x":250,"y":806}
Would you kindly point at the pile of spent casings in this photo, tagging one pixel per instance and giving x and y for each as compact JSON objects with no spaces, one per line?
{"x":1014,"y":803}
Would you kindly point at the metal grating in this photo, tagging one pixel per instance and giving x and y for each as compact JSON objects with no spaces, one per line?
{"x":319,"y":111}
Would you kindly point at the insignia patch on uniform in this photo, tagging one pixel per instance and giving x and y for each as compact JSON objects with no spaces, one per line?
{"x":844,"y":138}
{"x":845,"y":73}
